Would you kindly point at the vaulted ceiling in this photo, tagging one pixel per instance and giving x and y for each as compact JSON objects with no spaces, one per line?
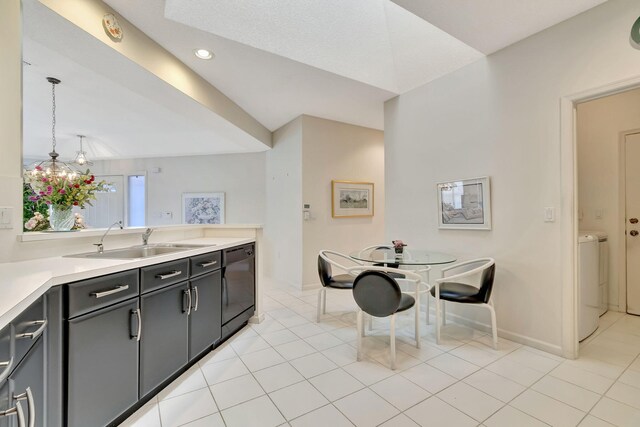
{"x":336,"y":59}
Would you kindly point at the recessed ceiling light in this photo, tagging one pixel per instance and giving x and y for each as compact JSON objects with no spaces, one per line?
{"x":203,"y":53}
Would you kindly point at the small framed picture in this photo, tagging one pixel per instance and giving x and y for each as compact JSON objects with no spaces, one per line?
{"x":203,"y":208}
{"x":465,"y":204}
{"x":351,"y":199}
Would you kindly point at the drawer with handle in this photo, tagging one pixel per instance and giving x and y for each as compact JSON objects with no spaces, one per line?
{"x":28,"y":327}
{"x":92,"y":294}
{"x":205,"y":263}
{"x":161,"y":275}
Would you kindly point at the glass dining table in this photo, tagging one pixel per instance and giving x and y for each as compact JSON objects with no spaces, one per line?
{"x":410,"y":259}
{"x":415,"y":257}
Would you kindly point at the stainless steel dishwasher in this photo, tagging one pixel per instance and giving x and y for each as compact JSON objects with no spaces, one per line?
{"x":238,"y":287}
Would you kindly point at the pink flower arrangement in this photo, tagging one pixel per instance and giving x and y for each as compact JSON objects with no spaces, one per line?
{"x":65,"y":191}
{"x":37,"y":223}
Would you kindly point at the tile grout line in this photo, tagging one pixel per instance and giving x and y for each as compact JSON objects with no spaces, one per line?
{"x":342,"y":318}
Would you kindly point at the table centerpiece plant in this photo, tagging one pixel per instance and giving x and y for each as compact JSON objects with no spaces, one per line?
{"x":62,"y":193}
{"x":398,"y":246}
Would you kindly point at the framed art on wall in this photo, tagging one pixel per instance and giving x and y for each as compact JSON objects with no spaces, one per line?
{"x":465,"y":204}
{"x":203,"y":208}
{"x":351,"y":199}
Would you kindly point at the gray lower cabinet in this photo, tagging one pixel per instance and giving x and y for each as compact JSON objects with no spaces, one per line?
{"x":23,"y":368}
{"x":27,"y":383}
{"x":102,"y":364}
{"x":128,"y":333}
{"x":205,"y":321}
{"x":6,"y":420}
{"x":165,"y":338}
{"x":25,"y":389}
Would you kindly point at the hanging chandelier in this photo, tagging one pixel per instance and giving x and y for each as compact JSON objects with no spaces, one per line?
{"x":52,"y":168}
{"x":81,"y":156}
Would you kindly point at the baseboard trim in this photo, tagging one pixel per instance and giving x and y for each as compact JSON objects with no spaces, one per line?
{"x":311,"y":286}
{"x":510,"y":335}
{"x":256,"y":318}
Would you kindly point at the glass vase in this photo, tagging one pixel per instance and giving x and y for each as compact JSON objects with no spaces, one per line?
{"x":61,"y":218}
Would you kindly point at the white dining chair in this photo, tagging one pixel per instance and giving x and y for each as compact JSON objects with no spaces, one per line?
{"x":449,"y":288}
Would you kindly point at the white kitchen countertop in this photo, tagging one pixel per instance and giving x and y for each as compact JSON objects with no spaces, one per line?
{"x":23,"y":282}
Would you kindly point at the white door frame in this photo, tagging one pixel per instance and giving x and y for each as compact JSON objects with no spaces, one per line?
{"x":569,"y":208}
{"x":621,"y":265}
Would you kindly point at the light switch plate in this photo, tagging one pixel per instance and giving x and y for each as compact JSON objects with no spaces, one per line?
{"x":6,"y":217}
{"x":549,"y":214}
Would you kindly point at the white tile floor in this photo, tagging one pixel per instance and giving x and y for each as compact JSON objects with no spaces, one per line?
{"x":288,"y":370}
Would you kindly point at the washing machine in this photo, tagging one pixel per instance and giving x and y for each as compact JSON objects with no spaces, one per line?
{"x":588,"y":286}
{"x":603,"y":272}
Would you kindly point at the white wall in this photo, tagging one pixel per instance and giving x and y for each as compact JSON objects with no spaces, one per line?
{"x":599,"y":125}
{"x":500,"y":117}
{"x":10,"y":121}
{"x":283,"y":218}
{"x":335,"y":150}
{"x":307,"y":154}
{"x":239,"y":176}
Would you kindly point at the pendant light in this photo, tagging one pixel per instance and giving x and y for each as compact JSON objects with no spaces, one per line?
{"x":53,"y":168}
{"x":81,"y":156}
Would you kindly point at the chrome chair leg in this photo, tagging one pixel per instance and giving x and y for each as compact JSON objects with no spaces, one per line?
{"x":319,"y":311}
{"x":417,"y":309}
{"x":494,"y":326}
{"x":392,"y":341}
{"x":360,"y":334}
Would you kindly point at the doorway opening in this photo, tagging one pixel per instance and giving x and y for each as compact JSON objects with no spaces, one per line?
{"x":606,"y":149}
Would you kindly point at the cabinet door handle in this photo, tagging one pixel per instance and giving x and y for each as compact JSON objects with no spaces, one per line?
{"x":35,"y":334}
{"x":196,"y":298}
{"x":28,"y":396}
{"x":225,"y":292}
{"x":138,"y":333}
{"x":8,"y":365}
{"x":139,"y":314}
{"x":16,"y":410}
{"x":173,"y":273}
{"x":115,"y":290}
{"x":187,"y":292}
{"x":207,"y":264}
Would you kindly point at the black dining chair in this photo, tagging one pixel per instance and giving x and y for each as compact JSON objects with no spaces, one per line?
{"x":378,"y":294}
{"x":383,"y":249}
{"x":450,"y":288}
{"x":326,"y":260}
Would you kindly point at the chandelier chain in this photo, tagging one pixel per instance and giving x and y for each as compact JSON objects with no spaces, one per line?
{"x":53,"y":123}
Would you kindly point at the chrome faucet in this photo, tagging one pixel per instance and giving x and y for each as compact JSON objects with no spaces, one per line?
{"x":145,"y":236}
{"x":100,"y":244}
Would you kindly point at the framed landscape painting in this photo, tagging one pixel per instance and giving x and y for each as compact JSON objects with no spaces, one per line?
{"x":351,"y":199}
{"x":203,"y":208}
{"x":465,"y":204}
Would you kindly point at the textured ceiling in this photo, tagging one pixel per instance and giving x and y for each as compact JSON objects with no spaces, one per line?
{"x":277,"y":59}
{"x":372,"y":41}
{"x":491,"y":25}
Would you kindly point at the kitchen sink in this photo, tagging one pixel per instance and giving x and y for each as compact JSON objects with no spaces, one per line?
{"x":178,"y":245}
{"x":136,"y":252}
